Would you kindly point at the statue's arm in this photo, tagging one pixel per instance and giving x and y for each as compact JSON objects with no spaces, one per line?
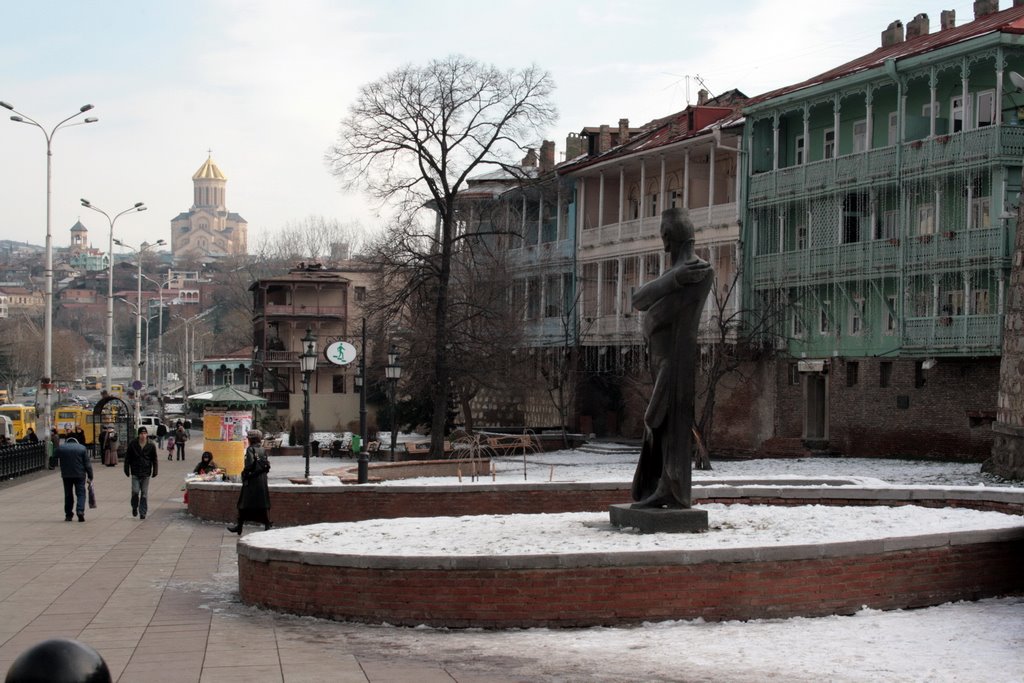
{"x":669,"y":282}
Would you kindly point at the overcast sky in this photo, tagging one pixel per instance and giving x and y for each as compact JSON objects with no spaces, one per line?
{"x":264,"y":83}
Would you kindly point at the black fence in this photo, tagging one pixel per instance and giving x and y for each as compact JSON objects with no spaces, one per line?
{"x":21,"y":459}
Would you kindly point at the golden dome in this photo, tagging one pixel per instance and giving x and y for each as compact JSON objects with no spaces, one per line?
{"x":209,"y":171}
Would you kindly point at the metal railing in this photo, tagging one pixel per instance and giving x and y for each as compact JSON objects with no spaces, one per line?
{"x":21,"y":459}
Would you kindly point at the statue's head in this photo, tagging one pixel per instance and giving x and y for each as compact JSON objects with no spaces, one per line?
{"x":676,"y":228}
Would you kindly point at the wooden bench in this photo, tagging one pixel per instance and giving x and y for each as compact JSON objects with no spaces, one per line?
{"x":511,"y":443}
{"x":422,"y":448}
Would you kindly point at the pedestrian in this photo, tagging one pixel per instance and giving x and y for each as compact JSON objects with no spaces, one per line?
{"x":75,"y":467}
{"x":180,"y":437}
{"x":161,"y":434}
{"x":30,"y":436}
{"x":170,"y":447}
{"x":254,"y":499}
{"x":140,"y":463}
{"x":110,"y":448}
{"x":206,"y":464}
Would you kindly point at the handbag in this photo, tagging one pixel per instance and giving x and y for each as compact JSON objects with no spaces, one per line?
{"x":92,"y":495}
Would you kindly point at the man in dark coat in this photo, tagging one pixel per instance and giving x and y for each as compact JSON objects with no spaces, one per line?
{"x":254,"y":499}
{"x":140,"y":463}
{"x":75,"y":467}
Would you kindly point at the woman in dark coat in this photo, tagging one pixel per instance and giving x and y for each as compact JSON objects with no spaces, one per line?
{"x":254,"y":499}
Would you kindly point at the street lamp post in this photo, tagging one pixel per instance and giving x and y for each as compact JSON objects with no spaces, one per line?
{"x":160,"y":343}
{"x":138,"y":317}
{"x":394,"y":373}
{"x":363,"y":456}
{"x":48,"y":268}
{"x":307,"y":363}
{"x":138,"y":206}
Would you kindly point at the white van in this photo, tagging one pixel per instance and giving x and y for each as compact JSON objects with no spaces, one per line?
{"x":7,"y":428}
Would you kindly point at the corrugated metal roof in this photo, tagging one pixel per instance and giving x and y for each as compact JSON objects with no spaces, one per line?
{"x":1007,"y":21}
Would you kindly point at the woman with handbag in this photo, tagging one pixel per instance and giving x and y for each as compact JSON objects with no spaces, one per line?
{"x":254,"y":499}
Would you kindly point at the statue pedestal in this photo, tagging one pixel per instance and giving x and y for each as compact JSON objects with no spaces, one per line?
{"x":659,"y":520}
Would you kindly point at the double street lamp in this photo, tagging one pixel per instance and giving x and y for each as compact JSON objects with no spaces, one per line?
{"x":393,"y":372}
{"x":307,"y":363}
{"x":48,"y":269}
{"x":138,"y":206}
{"x":138,"y":317}
{"x":363,"y":456}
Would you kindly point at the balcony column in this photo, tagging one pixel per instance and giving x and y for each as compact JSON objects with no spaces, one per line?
{"x":522,"y":220}
{"x":643,"y":188}
{"x":807,"y":133}
{"x":558,"y":213}
{"x":1000,"y":65}
{"x":711,"y":181}
{"x":933,"y":85}
{"x":965,"y":73}
{"x":622,"y":194}
{"x":968,"y":308}
{"x":686,"y":180}
{"x":869,"y":124}
{"x":836,"y":107}
{"x":775,"y":141}
{"x":581,"y":212}
{"x":540,"y":218}
{"x":662,"y":191}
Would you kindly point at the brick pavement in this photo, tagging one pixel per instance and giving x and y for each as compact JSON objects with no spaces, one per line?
{"x":158,"y":597}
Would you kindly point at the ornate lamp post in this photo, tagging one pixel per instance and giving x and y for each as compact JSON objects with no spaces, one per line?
{"x":363,"y":455}
{"x":138,"y":206}
{"x":393,"y":372}
{"x":138,"y":317}
{"x":18,"y":117}
{"x":307,"y":363}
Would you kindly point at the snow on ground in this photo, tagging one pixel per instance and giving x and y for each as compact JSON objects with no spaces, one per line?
{"x":732,"y":526}
{"x":953,"y":643}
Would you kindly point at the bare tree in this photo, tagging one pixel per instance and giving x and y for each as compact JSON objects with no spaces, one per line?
{"x":414,"y":137}
{"x":731,"y":338}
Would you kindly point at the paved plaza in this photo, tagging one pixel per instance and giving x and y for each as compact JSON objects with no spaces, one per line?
{"x":155,"y":596}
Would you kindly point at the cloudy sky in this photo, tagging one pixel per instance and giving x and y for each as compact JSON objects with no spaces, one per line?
{"x":264,"y":83}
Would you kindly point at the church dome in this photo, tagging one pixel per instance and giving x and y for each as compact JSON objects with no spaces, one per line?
{"x":209,"y":171}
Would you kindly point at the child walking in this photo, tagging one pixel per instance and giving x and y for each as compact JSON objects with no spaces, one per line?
{"x":170,"y":447}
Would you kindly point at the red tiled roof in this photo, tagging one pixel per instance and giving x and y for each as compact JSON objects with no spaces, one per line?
{"x":1008,"y":21}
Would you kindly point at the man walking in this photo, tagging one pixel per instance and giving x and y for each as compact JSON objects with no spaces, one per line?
{"x":74,"y":468}
{"x":140,"y":463}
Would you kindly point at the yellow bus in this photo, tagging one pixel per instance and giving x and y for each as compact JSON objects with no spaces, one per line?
{"x":22,"y":417}
{"x":66,"y":419}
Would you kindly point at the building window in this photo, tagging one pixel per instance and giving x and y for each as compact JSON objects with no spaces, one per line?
{"x":799,"y":154}
{"x":829,"y":144}
{"x":885,"y":373}
{"x":926,"y":219}
{"x":980,"y":303}
{"x":339,"y":384}
{"x":956,"y":113}
{"x":852,"y":370}
{"x":890,"y":315}
{"x":986,"y":108}
{"x":860,"y":136}
{"x":981,"y":215}
{"x":797,"y":325}
{"x":857,"y":317}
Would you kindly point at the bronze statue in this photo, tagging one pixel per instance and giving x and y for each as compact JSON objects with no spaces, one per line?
{"x":673,"y":303}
